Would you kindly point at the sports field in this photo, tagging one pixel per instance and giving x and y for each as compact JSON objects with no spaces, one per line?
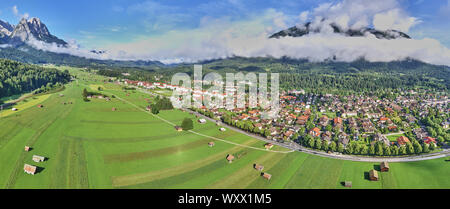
{"x":88,"y":145}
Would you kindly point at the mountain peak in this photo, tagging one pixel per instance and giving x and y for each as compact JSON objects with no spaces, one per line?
{"x":5,"y":31}
{"x":33,"y":28}
{"x":307,"y":28}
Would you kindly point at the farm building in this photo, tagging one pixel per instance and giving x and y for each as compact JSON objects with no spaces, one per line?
{"x":202,"y":121}
{"x":37,"y":158}
{"x":222,"y":129}
{"x":14,"y":109}
{"x":348,"y":184}
{"x":148,"y":108}
{"x":178,"y":128}
{"x":29,"y":169}
{"x":373,"y":175}
{"x":384,"y":167}
{"x":113,"y":109}
{"x":211,"y":144}
{"x":258,"y":167}
{"x":27,"y":148}
{"x":268,"y":146}
{"x":230,"y":158}
{"x":40,"y":106}
{"x":266,"y":176}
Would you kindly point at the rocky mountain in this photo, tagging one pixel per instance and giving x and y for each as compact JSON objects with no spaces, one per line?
{"x":30,"y":29}
{"x":5,"y":31}
{"x":298,"y":31}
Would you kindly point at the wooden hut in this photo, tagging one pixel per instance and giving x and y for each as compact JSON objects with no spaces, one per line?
{"x":29,"y":169}
{"x":37,"y":158}
{"x":230,"y":158}
{"x":258,"y":167}
{"x":178,"y":128}
{"x":268,"y":146}
{"x":113,"y":109}
{"x":211,"y":144}
{"x":266,"y":176}
{"x":348,"y":184}
{"x":384,"y":167}
{"x":27,"y":148}
{"x":40,"y":106}
{"x":373,"y":175}
{"x":222,"y":129}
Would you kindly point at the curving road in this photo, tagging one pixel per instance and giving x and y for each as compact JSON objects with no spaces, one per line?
{"x":296,"y":147}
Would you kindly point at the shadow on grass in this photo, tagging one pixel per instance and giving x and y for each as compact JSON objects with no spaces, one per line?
{"x":39,"y":169}
{"x":366,"y":176}
{"x":377,"y":167}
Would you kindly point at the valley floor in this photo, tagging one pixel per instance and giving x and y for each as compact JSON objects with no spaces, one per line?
{"x":88,"y":145}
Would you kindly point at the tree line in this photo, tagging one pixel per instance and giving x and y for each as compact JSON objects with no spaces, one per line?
{"x":18,"y":78}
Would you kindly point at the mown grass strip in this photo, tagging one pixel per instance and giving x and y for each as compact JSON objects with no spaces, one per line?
{"x":140,"y":178}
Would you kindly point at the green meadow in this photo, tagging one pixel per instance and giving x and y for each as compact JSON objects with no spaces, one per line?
{"x":88,"y":145}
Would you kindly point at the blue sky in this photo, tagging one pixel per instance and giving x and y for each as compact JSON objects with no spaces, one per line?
{"x":97,"y":23}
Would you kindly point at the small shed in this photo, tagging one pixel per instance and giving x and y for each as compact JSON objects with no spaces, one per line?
{"x":373,"y":175}
{"x":27,"y":148}
{"x":222,"y":129}
{"x":230,"y":158}
{"x":40,"y":106}
{"x":211,"y":144}
{"x":384,"y":167}
{"x":348,"y":184}
{"x":268,"y":146}
{"x":266,"y":176}
{"x":14,"y":109}
{"x":178,"y":128}
{"x":29,"y":169}
{"x":202,"y":121}
{"x":258,"y":167}
{"x":113,"y":109}
{"x":37,"y":158}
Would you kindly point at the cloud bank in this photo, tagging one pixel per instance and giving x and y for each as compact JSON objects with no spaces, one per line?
{"x":222,"y":38}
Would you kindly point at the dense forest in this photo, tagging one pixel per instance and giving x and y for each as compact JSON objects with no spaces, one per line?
{"x":17,"y":78}
{"x":317,"y":77}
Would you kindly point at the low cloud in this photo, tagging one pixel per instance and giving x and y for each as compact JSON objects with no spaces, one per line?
{"x":222,"y":38}
{"x":16,"y":13}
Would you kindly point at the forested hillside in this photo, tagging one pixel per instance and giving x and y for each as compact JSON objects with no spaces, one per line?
{"x":16,"y":77}
{"x":318,"y":77}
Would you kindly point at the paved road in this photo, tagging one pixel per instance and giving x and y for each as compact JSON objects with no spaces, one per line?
{"x":297,"y":147}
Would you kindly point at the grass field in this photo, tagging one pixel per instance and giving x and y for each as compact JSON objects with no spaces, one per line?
{"x":88,"y":145}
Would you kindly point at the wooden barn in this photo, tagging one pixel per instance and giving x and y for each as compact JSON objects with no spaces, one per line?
{"x":211,"y":144}
{"x":114,"y":109}
{"x":373,"y":175}
{"x":268,"y":146}
{"x":230,"y":158}
{"x":258,"y":167}
{"x":348,"y":184}
{"x":178,"y":128}
{"x":266,"y":176}
{"x":37,"y":158}
{"x":384,"y":167}
{"x":222,"y":129}
{"x":29,"y":169}
{"x":40,"y":106}
{"x":27,"y":148}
